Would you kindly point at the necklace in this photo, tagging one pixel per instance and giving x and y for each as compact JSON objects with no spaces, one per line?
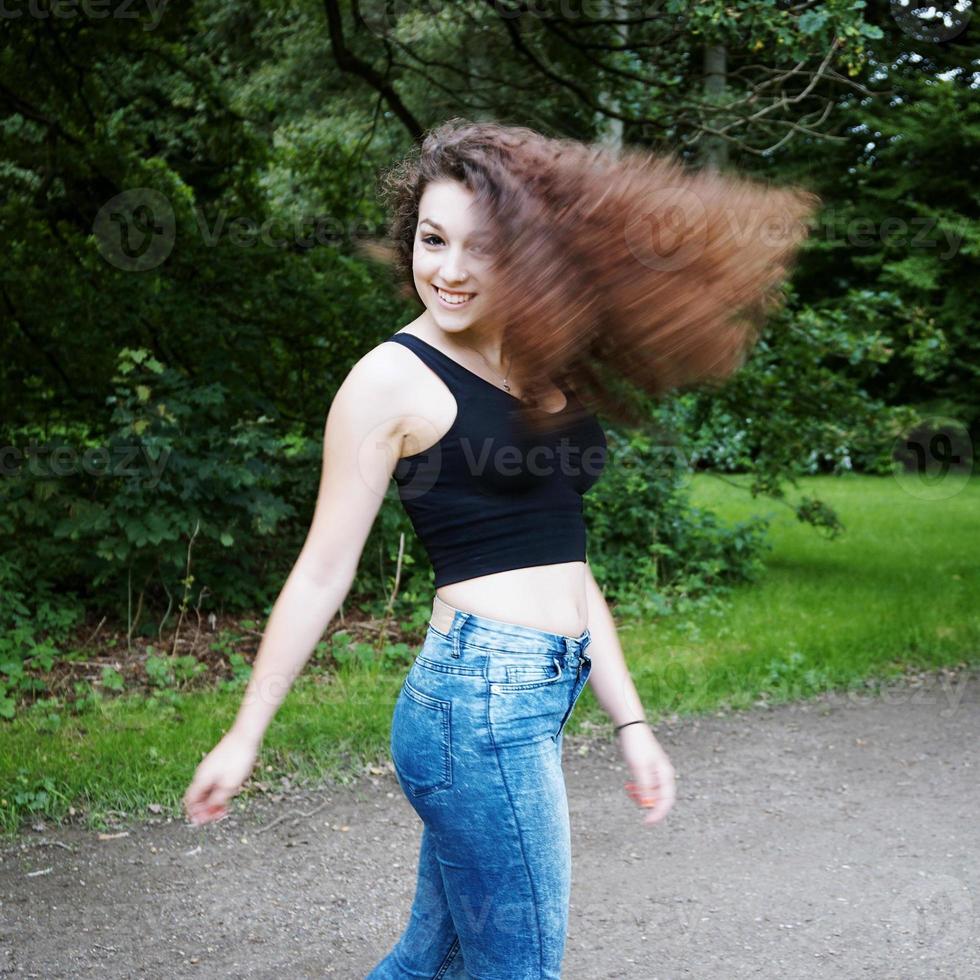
{"x":506,"y":376}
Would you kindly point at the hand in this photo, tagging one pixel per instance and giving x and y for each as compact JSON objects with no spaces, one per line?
{"x":219,"y":777}
{"x":653,"y":788}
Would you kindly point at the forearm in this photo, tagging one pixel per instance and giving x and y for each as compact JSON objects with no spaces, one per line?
{"x":297,"y":622}
{"x":610,"y":679}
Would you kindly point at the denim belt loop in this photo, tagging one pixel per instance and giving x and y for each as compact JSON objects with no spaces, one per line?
{"x":459,"y":620}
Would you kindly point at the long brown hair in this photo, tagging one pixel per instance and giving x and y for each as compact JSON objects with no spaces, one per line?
{"x":611,"y":267}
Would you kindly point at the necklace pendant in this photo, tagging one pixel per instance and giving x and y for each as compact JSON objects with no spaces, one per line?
{"x":506,"y":386}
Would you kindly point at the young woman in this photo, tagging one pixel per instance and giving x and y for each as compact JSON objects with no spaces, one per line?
{"x":518,"y":247}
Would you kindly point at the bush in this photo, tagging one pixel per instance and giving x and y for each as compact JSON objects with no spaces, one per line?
{"x":174,"y":472}
{"x":650,"y":547}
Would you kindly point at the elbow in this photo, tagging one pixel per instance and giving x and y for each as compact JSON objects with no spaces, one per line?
{"x":334,"y":576}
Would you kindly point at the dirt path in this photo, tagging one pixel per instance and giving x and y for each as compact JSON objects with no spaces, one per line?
{"x":832,"y":838}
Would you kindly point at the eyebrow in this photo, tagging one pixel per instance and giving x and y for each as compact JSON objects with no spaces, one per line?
{"x":439,"y":228}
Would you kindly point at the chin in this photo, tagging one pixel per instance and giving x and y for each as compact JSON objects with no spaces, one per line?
{"x":452,"y":328}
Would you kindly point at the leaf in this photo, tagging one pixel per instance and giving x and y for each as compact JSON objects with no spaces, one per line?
{"x":811,"y":21}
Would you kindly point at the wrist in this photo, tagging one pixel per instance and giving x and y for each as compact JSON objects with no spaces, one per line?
{"x":627,"y":724}
{"x":246,"y":735}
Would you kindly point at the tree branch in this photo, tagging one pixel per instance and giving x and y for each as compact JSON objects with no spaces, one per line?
{"x":349,"y":62}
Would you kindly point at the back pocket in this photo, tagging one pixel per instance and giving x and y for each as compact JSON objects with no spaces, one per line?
{"x":421,"y":741}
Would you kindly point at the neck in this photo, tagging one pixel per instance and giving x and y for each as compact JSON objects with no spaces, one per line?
{"x":485,"y":342}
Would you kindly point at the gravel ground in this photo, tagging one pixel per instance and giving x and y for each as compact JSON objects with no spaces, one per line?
{"x":835,"y":837}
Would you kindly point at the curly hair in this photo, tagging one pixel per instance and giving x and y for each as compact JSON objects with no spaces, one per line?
{"x":621,"y":274}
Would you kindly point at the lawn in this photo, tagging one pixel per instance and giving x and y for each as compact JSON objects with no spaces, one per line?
{"x":896,"y":591}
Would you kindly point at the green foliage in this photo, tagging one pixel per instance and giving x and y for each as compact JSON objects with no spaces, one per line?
{"x":890,"y":271}
{"x":355,"y":656}
{"x":175,"y":471}
{"x":168,"y":417}
{"x":793,"y":677}
{"x":112,"y":680}
{"x":167,"y":671}
{"x":802,"y":405}
{"x":32,"y":793}
{"x":651,"y":549}
{"x":34,"y":624}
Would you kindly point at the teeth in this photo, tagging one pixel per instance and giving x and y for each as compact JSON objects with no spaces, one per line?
{"x":453,"y":298}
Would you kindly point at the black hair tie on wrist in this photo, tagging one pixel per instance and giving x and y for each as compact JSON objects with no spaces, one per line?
{"x":639,"y":721}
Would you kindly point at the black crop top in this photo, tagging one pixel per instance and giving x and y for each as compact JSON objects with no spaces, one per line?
{"x":491,"y":494}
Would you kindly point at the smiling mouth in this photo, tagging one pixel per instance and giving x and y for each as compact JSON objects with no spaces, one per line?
{"x":451,"y":299}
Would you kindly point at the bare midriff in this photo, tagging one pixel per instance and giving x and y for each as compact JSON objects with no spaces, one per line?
{"x":545,"y":597}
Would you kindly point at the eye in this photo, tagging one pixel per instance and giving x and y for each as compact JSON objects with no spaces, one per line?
{"x":425,"y":238}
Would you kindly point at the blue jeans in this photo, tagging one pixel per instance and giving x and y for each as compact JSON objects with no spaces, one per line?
{"x":476,"y":742}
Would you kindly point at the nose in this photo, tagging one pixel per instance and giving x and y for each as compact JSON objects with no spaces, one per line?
{"x":452,"y":271}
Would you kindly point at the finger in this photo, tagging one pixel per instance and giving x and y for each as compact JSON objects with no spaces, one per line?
{"x":198,"y":794}
{"x":203,"y":802}
{"x":643,"y":790}
{"x":664,"y":804}
{"x":644,"y":797}
{"x":216,"y":800}
{"x":198,"y":789}
{"x":209,"y":815}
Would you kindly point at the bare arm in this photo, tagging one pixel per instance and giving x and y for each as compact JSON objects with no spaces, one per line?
{"x":361,"y":444}
{"x":610,"y":680}
{"x":653,"y":786}
{"x":298,"y":620}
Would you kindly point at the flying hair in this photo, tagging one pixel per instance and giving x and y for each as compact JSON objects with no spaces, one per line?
{"x":623,"y":274}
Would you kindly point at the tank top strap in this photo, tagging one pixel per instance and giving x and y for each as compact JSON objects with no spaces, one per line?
{"x":454,"y":375}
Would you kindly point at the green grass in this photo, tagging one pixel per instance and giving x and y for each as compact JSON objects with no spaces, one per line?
{"x":896,"y":591}
{"x":126,"y":754}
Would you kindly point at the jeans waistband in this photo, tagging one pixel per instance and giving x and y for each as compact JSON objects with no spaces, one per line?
{"x":461,"y":626}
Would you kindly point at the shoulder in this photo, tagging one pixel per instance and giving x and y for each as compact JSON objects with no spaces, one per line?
{"x":374,"y":386}
{"x":380,"y":365}
{"x":384,"y":387}
{"x":397,"y":370}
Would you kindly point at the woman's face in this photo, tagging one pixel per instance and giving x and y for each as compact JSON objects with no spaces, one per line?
{"x":451,"y":266}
